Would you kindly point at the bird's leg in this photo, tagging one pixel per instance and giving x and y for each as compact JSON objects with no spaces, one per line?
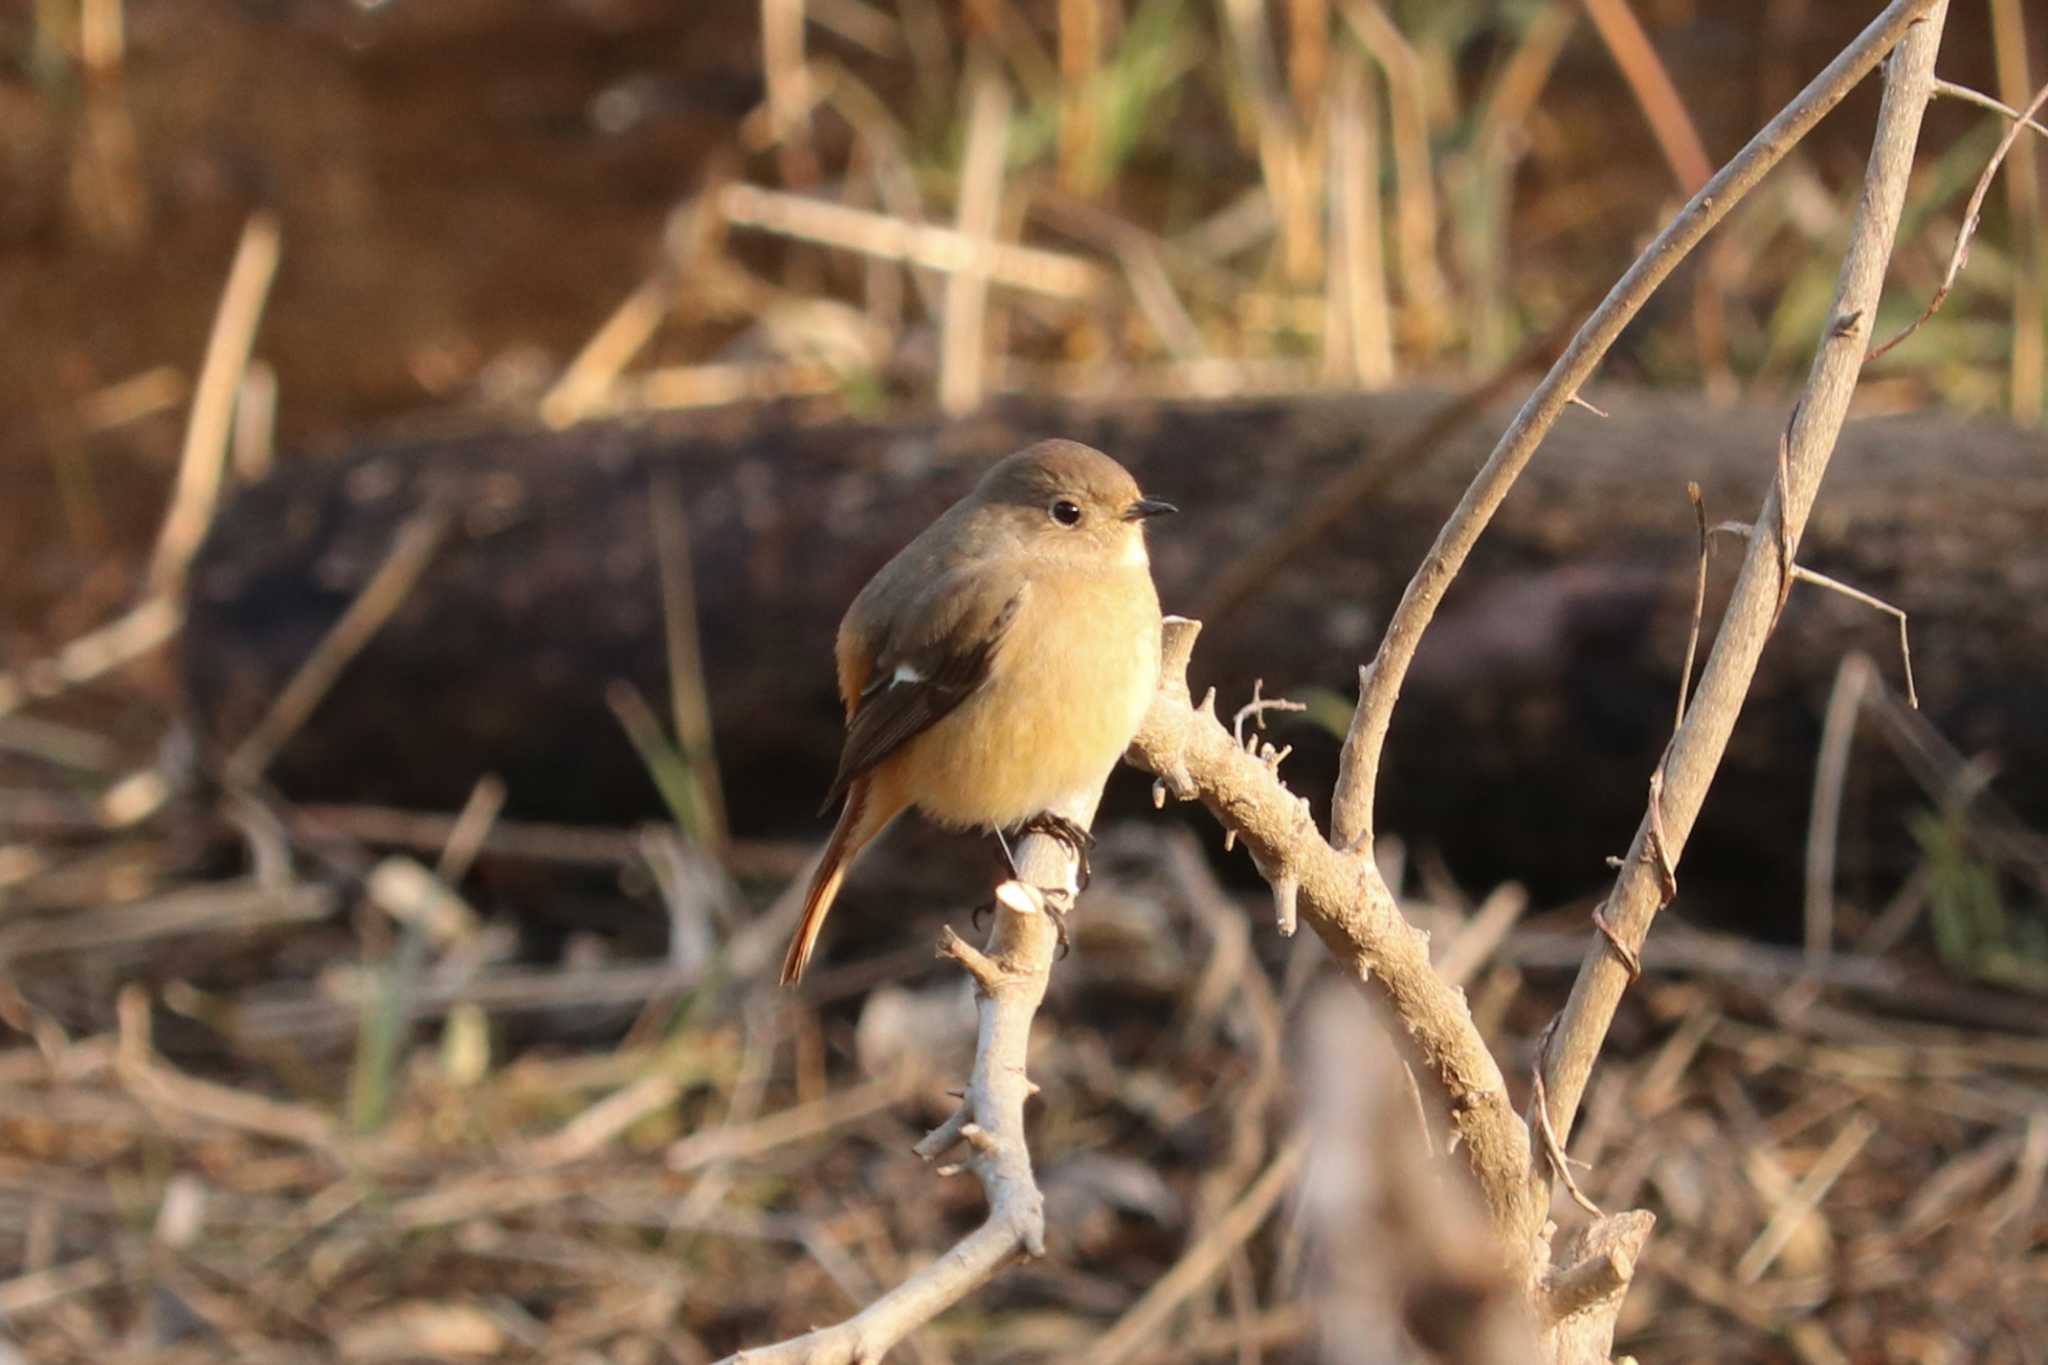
{"x":1009,"y":858}
{"x":1077,"y":839}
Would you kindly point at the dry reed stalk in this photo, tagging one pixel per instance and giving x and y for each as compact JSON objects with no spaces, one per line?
{"x":927,"y":245}
{"x":205,"y":453}
{"x":963,"y":341}
{"x":1650,"y":82}
{"x":412,"y":549}
{"x":1080,"y":42}
{"x":2029,"y":224}
{"x":1425,"y":293}
{"x":1358,"y":345}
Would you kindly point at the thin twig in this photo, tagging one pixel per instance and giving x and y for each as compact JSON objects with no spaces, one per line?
{"x":1553,"y":1150}
{"x":591,"y":374}
{"x":1984,"y":101}
{"x":1482,"y":934}
{"x":253,"y":449}
{"x":1425,"y":293}
{"x":1143,"y":259}
{"x":778,"y":1129}
{"x":1695,"y":751}
{"x":1255,"y":710}
{"x":1283,"y":146}
{"x":1358,"y":345}
{"x":1699,"y":602}
{"x":1801,"y":574}
{"x":1972,"y":212}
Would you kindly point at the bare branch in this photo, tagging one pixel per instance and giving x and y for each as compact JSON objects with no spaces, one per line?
{"x":1351,"y":815}
{"x":1010,"y":978}
{"x":1581,"y":1300}
{"x":1695,"y":751}
{"x":1348,"y":904}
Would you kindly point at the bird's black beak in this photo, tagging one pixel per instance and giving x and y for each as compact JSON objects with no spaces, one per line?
{"x":1148,"y":507}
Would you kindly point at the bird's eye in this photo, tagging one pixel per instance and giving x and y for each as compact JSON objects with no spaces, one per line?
{"x":1066,"y":512}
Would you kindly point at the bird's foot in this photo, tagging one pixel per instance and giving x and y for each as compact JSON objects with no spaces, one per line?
{"x":1077,"y":839}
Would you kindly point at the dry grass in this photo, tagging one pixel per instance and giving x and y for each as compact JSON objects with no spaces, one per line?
{"x":563,"y":1172}
{"x":1175,"y":201}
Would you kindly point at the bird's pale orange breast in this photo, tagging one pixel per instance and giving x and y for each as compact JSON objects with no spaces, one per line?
{"x":1068,"y":690}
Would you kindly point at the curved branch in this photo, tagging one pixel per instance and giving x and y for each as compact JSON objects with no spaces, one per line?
{"x":1346,"y":902}
{"x":1380,"y":682}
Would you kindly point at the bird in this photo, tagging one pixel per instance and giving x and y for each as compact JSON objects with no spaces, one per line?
{"x":996,"y":669}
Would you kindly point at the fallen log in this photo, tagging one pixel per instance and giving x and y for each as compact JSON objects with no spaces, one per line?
{"x":1529,"y":726}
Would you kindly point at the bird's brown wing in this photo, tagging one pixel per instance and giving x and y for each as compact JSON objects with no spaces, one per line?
{"x":933,"y":661}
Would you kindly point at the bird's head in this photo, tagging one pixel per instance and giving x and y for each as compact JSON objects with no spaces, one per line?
{"x":1070,"y":503}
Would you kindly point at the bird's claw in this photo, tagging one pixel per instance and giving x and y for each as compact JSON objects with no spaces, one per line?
{"x":1059,"y":917}
{"x":1077,"y":839}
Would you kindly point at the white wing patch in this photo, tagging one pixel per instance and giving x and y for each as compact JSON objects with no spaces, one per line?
{"x":905,"y":674}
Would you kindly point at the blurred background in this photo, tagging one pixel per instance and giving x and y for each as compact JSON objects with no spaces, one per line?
{"x":396,"y":802}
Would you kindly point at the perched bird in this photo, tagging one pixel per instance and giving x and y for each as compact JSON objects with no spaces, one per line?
{"x":996,"y":669}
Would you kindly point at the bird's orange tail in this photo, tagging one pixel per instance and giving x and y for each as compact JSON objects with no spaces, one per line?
{"x":860,"y":820}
